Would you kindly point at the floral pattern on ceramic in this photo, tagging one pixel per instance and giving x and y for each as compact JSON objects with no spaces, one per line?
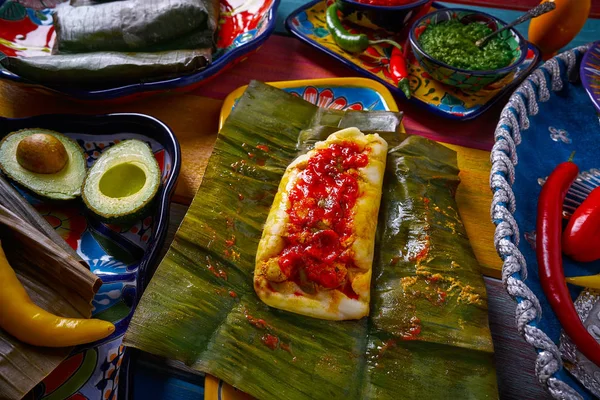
{"x":308,"y":24}
{"x":26,"y":30}
{"x":590,"y":73}
{"x":340,"y":98}
{"x":113,"y":252}
{"x":468,"y":80}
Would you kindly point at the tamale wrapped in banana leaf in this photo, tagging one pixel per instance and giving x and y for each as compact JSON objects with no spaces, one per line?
{"x":135,"y":25}
{"x":104,"y":68}
{"x":201,"y":308}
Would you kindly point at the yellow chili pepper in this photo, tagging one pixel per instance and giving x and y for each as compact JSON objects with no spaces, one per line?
{"x":591,"y":281}
{"x":23,"y":319}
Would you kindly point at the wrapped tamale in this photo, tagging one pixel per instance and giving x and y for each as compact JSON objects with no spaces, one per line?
{"x":104,"y":68}
{"x":135,"y":25}
{"x":201,"y":308}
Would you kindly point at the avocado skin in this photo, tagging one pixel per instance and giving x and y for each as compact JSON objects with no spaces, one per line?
{"x":43,"y":196}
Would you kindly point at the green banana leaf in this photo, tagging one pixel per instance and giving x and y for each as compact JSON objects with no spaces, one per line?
{"x":201,"y":308}
{"x":133,"y":25}
{"x":103,"y":68}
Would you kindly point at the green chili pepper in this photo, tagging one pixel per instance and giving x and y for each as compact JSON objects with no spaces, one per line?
{"x":345,"y":40}
{"x":353,"y":43}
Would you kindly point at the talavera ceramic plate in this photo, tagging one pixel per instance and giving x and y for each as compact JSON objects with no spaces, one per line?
{"x":307,"y":23}
{"x":546,"y":119}
{"x":26,"y":30}
{"x":590,"y":73}
{"x":122,"y":256}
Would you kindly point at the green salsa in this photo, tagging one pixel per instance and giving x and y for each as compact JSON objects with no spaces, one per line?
{"x":453,"y":43}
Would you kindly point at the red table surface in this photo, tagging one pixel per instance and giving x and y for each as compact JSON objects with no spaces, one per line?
{"x":285,"y":58}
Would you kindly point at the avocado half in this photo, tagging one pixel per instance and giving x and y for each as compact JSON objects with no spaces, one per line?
{"x":122,"y":182}
{"x":62,"y":185}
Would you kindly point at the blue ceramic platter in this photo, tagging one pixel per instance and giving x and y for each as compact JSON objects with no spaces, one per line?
{"x":122,"y":256}
{"x":590,"y":73}
{"x":26,"y":30}
{"x":547,"y":119}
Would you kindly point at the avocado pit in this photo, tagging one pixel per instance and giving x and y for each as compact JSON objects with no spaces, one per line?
{"x":42,"y":153}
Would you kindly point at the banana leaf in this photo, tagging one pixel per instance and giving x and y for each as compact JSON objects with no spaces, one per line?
{"x":133,"y":25}
{"x":201,"y":308}
{"x":104,"y":68}
{"x":55,"y":281}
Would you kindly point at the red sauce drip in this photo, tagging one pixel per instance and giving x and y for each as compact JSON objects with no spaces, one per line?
{"x":285,"y":347}
{"x":232,"y":294}
{"x":263,"y":147}
{"x":414,"y":331}
{"x":320,"y":214}
{"x":240,"y":196}
{"x":230,"y":242}
{"x":260,"y":162}
{"x":251,"y":155}
{"x":258,"y":323}
{"x":270,"y":341}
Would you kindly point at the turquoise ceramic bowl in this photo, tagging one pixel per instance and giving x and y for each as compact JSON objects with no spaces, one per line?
{"x":466,"y":79}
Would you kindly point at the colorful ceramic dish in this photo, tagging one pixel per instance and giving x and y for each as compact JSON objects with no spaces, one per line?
{"x":308,"y":24}
{"x":590,"y":73}
{"x":463,"y":78}
{"x":26,"y":30}
{"x":548,"y":118}
{"x":123,"y":256}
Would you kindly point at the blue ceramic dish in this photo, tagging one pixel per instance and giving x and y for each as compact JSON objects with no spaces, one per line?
{"x":590,"y":73}
{"x":390,"y":18}
{"x":462,"y":78}
{"x":124,"y":257}
{"x":26,"y":30}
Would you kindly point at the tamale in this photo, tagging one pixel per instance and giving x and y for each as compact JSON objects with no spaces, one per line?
{"x":200,"y":307}
{"x":55,"y":281}
{"x":132,"y":25}
{"x":102,"y":68}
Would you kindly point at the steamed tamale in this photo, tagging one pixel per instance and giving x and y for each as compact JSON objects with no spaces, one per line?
{"x":201,"y":308}
{"x":103,"y":68}
{"x":135,"y":25}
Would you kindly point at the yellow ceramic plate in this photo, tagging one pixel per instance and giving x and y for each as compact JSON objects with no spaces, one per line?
{"x":473,"y":195}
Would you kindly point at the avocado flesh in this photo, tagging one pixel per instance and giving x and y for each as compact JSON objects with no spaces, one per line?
{"x":62,"y":185}
{"x":122,"y":182}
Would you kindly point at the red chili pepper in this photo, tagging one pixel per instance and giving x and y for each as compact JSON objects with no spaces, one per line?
{"x":399,"y":71}
{"x":549,"y":257}
{"x":581,"y":238}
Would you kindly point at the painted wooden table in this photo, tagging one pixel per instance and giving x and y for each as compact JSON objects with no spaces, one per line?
{"x":194,"y":118}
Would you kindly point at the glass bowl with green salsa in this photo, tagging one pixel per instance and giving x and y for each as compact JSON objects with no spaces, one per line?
{"x":443,"y":43}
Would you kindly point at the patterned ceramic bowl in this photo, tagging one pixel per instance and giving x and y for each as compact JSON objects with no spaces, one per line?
{"x":466,"y":79}
{"x":390,"y":18}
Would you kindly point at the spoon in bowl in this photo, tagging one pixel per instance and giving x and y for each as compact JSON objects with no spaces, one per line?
{"x":534,"y":12}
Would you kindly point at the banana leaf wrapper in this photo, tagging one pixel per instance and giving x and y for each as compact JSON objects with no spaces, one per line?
{"x":55,"y":281}
{"x":135,"y":25}
{"x":201,"y":308}
{"x":103,"y":68}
